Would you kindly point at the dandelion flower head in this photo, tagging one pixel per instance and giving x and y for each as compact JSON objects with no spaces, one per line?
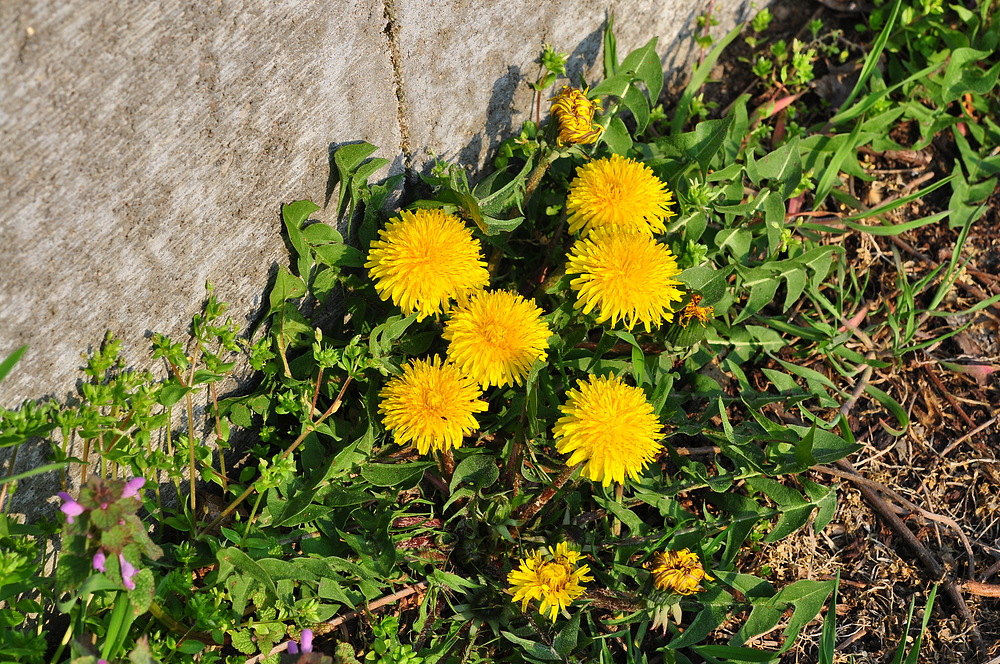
{"x":627,"y":277}
{"x":611,"y":426}
{"x":432,"y":405}
{"x":619,"y":194}
{"x":495,"y":337}
{"x":575,"y":114}
{"x":677,"y":571}
{"x":554,"y":580}
{"x":424,"y":259}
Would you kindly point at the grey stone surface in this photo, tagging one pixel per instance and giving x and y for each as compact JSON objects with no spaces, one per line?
{"x":147,"y":148}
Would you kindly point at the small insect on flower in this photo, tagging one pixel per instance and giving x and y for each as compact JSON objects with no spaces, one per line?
{"x":554,"y":579}
{"x":677,"y":571}
{"x":575,"y":114}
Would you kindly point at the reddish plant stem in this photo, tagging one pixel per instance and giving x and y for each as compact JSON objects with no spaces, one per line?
{"x":527,"y":512}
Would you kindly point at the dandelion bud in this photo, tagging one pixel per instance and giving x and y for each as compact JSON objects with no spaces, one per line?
{"x":575,"y":114}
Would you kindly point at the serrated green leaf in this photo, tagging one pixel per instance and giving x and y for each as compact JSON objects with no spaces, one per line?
{"x":624,"y":514}
{"x":614,"y":86}
{"x":243,"y":640}
{"x":783,"y":165}
{"x":716,"y":604}
{"x":806,"y":597}
{"x":701,"y":144}
{"x":710,"y":283}
{"x":617,"y":137}
{"x":287,"y":286}
{"x":825,"y":499}
{"x":479,"y":470}
{"x":635,"y":101}
{"x":762,"y":286}
{"x":345,"y":160}
{"x":565,"y":641}
{"x":394,"y":474}
{"x":737,"y":239}
{"x":533,"y":648}
{"x":294,"y":215}
{"x":645,"y":62}
{"x":232,"y":559}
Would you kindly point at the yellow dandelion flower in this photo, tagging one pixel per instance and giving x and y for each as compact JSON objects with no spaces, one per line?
{"x":575,"y":114}
{"x":424,"y":259}
{"x":495,"y":337}
{"x":691,"y":311}
{"x":620,"y":194}
{"x":611,"y":426}
{"x":677,"y":571}
{"x":431,"y":405}
{"x":554,"y":582}
{"x":626,"y":276}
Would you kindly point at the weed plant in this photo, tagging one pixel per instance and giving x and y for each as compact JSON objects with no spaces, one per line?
{"x":540,"y":428}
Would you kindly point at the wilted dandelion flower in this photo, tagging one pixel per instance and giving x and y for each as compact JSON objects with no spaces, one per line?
{"x":554,"y":580}
{"x":431,"y":405}
{"x":611,"y":426}
{"x":627,"y":277}
{"x":495,"y":337}
{"x":619,"y":194}
{"x":691,"y":311}
{"x":677,"y":571}
{"x":575,"y":114}
{"x":424,"y":259}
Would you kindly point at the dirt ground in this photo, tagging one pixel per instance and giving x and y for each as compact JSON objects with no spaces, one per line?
{"x":941,"y":477}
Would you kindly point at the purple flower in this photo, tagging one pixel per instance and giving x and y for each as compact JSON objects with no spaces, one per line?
{"x":307,"y":643}
{"x":127,"y":572}
{"x":132,"y":487}
{"x":70,"y":507}
{"x":99,"y":560}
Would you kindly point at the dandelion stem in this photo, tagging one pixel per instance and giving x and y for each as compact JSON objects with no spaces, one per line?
{"x":535,"y":178}
{"x":616,"y":524}
{"x":446,"y":461}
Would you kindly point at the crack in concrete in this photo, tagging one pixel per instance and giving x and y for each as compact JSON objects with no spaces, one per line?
{"x":392,"y":34}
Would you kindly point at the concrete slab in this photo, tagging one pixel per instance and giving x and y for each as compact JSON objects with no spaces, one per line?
{"x":147,"y":148}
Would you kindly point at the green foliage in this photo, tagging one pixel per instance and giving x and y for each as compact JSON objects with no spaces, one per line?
{"x":324,"y":516}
